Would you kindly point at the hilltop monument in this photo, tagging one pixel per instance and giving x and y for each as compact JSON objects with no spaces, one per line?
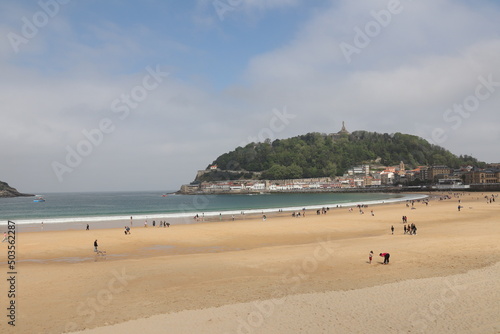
{"x":343,"y":130}
{"x":341,"y":133}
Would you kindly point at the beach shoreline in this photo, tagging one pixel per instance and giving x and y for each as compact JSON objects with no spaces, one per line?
{"x":78,"y":223}
{"x":65,"y":287}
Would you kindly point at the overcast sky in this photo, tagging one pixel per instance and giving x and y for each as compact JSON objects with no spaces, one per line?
{"x":139,"y":95}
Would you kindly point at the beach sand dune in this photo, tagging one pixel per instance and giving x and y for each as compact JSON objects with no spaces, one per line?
{"x":284,"y":275}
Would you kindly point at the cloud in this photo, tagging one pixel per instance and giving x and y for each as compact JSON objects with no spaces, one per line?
{"x":426,"y":59}
{"x":269,"y":4}
{"x":429,"y":57}
{"x":248,"y":10}
{"x":252,"y":4}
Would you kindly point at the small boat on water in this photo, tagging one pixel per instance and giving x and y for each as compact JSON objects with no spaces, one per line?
{"x":39,"y":199}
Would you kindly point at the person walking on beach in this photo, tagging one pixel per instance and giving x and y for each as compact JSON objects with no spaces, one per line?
{"x":4,"y":237}
{"x":88,"y":227}
{"x":392,"y":229}
{"x":386,"y":257}
{"x":404,"y":228}
{"x":370,"y":257}
{"x":95,"y":245}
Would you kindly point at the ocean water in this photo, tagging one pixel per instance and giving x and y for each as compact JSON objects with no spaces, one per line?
{"x":108,"y":206}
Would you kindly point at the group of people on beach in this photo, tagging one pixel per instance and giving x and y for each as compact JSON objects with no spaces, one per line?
{"x":160,"y":224}
{"x":407,"y":228}
{"x":491,"y":199}
{"x":322,"y":211}
{"x":386,"y":257}
{"x":298,"y":214}
{"x":410,"y":229}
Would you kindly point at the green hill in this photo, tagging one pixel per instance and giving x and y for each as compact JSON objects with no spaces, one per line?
{"x":319,"y":155}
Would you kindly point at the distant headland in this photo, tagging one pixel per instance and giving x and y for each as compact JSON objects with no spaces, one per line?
{"x":8,"y":191}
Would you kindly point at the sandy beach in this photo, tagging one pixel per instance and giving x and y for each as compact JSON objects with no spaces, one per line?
{"x":282,"y":275}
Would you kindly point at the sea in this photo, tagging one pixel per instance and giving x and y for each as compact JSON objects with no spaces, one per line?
{"x":99,"y":207}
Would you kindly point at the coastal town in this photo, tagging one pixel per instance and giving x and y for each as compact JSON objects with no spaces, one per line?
{"x":369,"y":177}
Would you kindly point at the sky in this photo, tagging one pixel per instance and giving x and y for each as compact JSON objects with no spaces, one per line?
{"x":132,"y":96}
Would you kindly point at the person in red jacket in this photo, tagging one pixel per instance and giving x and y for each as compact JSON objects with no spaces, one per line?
{"x":386,"y":257}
